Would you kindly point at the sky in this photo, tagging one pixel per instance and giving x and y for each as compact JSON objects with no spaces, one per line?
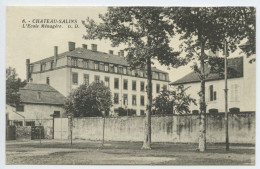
{"x":38,"y":43}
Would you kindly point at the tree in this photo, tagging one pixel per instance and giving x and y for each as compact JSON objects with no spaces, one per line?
{"x":89,"y":101}
{"x":176,"y":100}
{"x":205,"y":28}
{"x":13,"y":83}
{"x":146,"y":31}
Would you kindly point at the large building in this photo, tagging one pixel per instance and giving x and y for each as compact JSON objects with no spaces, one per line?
{"x":68,"y":70}
{"x":241,"y":87}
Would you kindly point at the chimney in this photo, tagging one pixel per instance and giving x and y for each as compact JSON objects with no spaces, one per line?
{"x":28,"y":74}
{"x":94,"y":47}
{"x":111,"y":52}
{"x":71,"y":46}
{"x":55,"y":55}
{"x":122,"y":53}
{"x":84,"y":46}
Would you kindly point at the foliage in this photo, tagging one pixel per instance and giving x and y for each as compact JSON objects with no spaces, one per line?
{"x":146,"y":31}
{"x":13,"y":83}
{"x":126,"y":112}
{"x":177,"y":99}
{"x":88,"y":101}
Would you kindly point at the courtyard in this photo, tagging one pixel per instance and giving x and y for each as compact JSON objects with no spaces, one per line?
{"x":82,"y":152}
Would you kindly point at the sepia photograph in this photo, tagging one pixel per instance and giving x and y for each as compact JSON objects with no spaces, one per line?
{"x":130,"y":85}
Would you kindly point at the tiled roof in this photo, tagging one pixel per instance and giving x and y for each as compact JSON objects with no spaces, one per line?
{"x":234,"y":64}
{"x":95,"y":56}
{"x":48,"y":95}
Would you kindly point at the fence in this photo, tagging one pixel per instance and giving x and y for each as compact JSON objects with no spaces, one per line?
{"x":174,"y":128}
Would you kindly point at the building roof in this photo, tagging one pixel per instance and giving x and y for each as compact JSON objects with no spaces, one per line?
{"x":41,"y":94}
{"x":95,"y":56}
{"x":234,"y":64}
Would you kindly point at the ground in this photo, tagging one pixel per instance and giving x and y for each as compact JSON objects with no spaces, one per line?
{"x":91,"y":152}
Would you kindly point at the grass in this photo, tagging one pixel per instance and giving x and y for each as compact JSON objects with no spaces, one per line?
{"x":124,"y":153}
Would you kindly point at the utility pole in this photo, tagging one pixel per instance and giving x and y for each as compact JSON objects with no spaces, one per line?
{"x":226,"y":97}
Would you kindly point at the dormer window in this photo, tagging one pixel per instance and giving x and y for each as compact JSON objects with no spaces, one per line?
{"x":74,"y":62}
{"x":96,"y":66}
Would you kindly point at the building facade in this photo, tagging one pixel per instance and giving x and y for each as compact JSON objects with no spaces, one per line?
{"x":68,"y":70}
{"x":241,"y":87}
{"x":38,"y":104}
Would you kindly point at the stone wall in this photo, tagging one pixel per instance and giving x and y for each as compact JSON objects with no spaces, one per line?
{"x":175,"y":128}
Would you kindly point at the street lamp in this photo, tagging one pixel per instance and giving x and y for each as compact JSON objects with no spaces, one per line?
{"x":71,"y":125}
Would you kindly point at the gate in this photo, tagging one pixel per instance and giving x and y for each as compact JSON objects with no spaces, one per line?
{"x":10,"y":132}
{"x":61,"y":128}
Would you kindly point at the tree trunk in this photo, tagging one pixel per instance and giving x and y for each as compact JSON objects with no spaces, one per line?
{"x":147,"y":123}
{"x":202,"y":115}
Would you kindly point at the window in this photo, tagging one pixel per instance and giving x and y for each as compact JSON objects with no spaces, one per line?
{"x":48,"y":80}
{"x":43,"y":67}
{"x":142,"y":100}
{"x":234,"y":93}
{"x":86,"y":79}
{"x":157,"y":88}
{"x":101,"y":66}
{"x":124,"y":70}
{"x":125,"y":84}
{"x":18,"y":123}
{"x":142,"y":86}
{"x":106,"y":67}
{"x":52,"y":63}
{"x":74,"y":62}
{"x":116,"y":83}
{"x":133,"y":85}
{"x":57,"y":114}
{"x":164,"y":87}
{"x":141,"y":112}
{"x":75,"y":78}
{"x":97,"y":78}
{"x":125,"y":101}
{"x":107,"y":81}
{"x":212,"y":93}
{"x":85,"y":64}
{"x":115,"y":69}
{"x":30,"y":123}
{"x":96,"y":66}
{"x":116,"y":98}
{"x":134,"y":100}
{"x":120,"y":70}
{"x":111,"y":68}
{"x":20,"y":108}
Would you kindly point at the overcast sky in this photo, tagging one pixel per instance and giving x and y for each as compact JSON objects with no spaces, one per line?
{"x":38,"y":43}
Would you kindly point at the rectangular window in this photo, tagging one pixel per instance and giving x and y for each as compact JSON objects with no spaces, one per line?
{"x":134,"y":100}
{"x":164,"y":87}
{"x":75,"y":78}
{"x":107,"y":81}
{"x":133,"y":85}
{"x":111,"y":68}
{"x":97,"y":78}
{"x":101,"y":67}
{"x":157,"y":88}
{"x":106,"y":67}
{"x":86,"y":79}
{"x":211,"y":93}
{"x":85,"y":64}
{"x":52,"y":63}
{"x":120,"y":70}
{"x":142,"y":86}
{"x":125,"y":84}
{"x":116,"y":98}
{"x":47,"y":80}
{"x":96,"y":66}
{"x":141,"y":112}
{"x":57,"y":114}
{"x":116,"y":83}
{"x":124,"y":70}
{"x":74,"y":62}
{"x":142,"y":101}
{"x":116,"y":69}
{"x":20,"y":108}
{"x":125,"y":100}
{"x":215,"y":95}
